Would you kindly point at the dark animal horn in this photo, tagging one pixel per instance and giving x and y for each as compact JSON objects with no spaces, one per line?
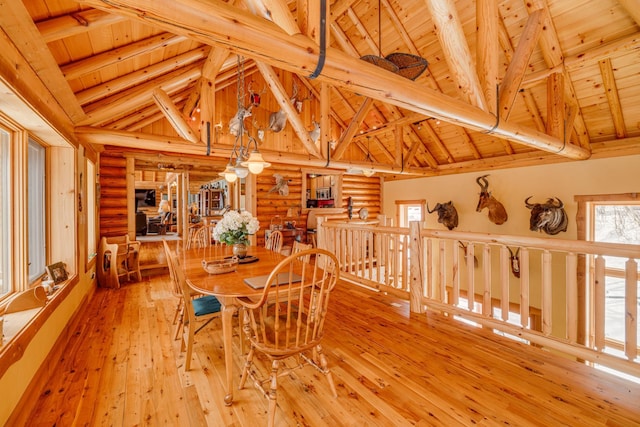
{"x":560,"y":204}
{"x":430,"y":211}
{"x":486,"y":183}
{"x":529,"y":205}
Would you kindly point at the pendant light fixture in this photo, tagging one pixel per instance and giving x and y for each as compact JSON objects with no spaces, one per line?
{"x":243,"y":158}
{"x":368,"y":172}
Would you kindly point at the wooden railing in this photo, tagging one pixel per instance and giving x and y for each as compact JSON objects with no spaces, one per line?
{"x":470,"y":275}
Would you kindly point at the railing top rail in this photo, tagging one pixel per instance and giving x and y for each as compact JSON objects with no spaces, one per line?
{"x":561,"y":245}
{"x":554,"y":244}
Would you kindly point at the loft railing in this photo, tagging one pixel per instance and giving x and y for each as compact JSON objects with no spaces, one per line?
{"x":534,"y":296}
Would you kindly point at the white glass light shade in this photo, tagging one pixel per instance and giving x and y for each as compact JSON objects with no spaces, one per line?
{"x":229,"y":174}
{"x":241,"y":171}
{"x":256,"y":163}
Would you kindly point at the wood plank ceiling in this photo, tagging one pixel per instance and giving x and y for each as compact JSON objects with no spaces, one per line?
{"x":509,"y":83}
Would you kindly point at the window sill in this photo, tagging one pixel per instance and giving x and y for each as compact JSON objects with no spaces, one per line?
{"x":22,"y":326}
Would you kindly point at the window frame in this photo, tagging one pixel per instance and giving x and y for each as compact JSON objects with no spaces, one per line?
{"x":585,"y":218}
{"x":402,"y":207}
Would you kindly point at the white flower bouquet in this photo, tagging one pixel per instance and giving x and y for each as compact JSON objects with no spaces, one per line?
{"x":235,"y":227}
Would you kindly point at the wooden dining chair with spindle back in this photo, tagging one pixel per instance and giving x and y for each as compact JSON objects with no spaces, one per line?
{"x":288,"y":320}
{"x":197,"y":311}
{"x":274,"y":242}
{"x":299,"y":247}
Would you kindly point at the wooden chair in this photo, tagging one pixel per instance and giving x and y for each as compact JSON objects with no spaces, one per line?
{"x":198,"y":312}
{"x":118,"y":258}
{"x":288,"y":320}
{"x":191,"y":235}
{"x":274,"y":242}
{"x":203,"y":237}
{"x":178,"y":315}
{"x":299,"y":247}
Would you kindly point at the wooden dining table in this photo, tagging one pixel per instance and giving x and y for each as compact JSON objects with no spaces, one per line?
{"x":227,"y":287}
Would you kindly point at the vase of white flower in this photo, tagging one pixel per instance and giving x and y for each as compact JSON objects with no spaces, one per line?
{"x":234,"y":229}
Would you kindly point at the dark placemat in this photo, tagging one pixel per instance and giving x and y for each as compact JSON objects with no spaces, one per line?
{"x":246,"y":260}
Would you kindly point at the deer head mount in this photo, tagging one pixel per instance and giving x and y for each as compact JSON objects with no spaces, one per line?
{"x":315,"y":133}
{"x":236,"y":124}
{"x":497,"y":212}
{"x":278,"y":119}
{"x":255,"y":97}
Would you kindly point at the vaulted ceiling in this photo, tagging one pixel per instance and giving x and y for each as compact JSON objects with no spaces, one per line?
{"x":508,"y":83}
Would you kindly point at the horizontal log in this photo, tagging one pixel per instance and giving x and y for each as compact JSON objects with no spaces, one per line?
{"x":106,"y":192}
{"x":112,"y":171}
{"x":113,"y":202}
{"x":113,"y":212}
{"x":110,"y":160}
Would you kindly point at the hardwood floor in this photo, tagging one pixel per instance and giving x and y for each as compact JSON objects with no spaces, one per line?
{"x":123,"y":368}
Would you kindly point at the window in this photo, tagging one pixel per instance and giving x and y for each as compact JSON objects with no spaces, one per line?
{"x":5,"y":213}
{"x":90,"y":208}
{"x":616,"y":223}
{"x":409,"y":210}
{"x":36,"y":214}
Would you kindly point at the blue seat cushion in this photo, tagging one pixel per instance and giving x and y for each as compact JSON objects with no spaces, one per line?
{"x":206,"y":305}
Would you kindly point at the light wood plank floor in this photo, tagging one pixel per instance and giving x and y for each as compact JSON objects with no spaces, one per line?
{"x":123,"y":368}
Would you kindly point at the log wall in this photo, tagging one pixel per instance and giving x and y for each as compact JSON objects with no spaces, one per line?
{"x":365,"y":192}
{"x":113,"y":195}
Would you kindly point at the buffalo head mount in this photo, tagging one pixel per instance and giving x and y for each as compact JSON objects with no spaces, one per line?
{"x":447,"y":214}
{"x":549,"y":217}
{"x":497,"y":212}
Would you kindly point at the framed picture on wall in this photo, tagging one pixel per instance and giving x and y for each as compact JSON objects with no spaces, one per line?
{"x":57,"y":272}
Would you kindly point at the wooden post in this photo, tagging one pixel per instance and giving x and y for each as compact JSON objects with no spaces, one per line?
{"x":417,"y":283}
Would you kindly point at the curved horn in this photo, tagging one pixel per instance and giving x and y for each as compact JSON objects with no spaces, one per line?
{"x":428,"y":210}
{"x":560,"y":204}
{"x":486,"y":183}
{"x":527,"y":204}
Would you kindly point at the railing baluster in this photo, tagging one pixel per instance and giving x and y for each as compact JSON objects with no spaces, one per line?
{"x":442,"y":284}
{"x":631,"y":309}
{"x":455,"y":268}
{"x":524,"y":288}
{"x":487,"y":307}
{"x":572,"y":297}
{"x":471,"y":289}
{"x":599,"y":290}
{"x":547,"y":294}
{"x":504,"y":282}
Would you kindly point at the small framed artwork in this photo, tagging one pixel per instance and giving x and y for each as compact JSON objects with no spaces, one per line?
{"x":57,"y":272}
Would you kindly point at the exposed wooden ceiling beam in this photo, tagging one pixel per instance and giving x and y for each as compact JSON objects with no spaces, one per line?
{"x":217,"y":23}
{"x":611,"y":90}
{"x":166,"y":144}
{"x":487,"y":17}
{"x":448,"y":28}
{"x":172,"y":114}
{"x":120,"y":104}
{"x":136,"y":78}
{"x":283,"y":100}
{"x":354,"y":125}
{"x":510,"y":85}
{"x":76,"y":69}
{"x":552,"y":53}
